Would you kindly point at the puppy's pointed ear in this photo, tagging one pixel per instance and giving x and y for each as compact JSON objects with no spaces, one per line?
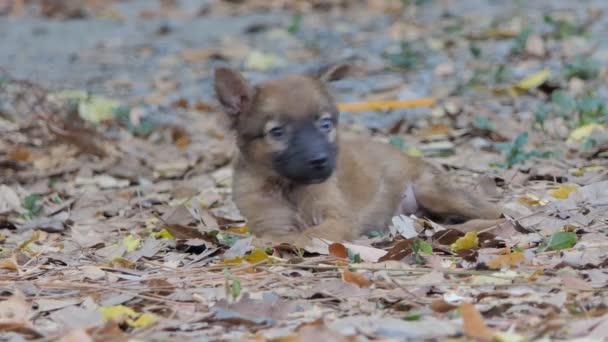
{"x":233,"y":92}
{"x":335,"y":72}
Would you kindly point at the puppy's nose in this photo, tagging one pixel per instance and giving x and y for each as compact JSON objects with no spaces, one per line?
{"x":318,"y":162}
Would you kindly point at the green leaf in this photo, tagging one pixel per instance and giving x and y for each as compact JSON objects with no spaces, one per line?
{"x":397,"y":142}
{"x":355,"y":258}
{"x":519,"y":42}
{"x":557,"y":241}
{"x":475,"y":50}
{"x":584,"y":68}
{"x":520,"y":141}
{"x":413,"y":317}
{"x":296,"y":23}
{"x":424,"y":246}
{"x":481,"y":122}
{"x":235,"y":288}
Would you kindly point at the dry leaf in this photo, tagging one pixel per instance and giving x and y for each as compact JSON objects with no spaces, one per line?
{"x":356,"y":278}
{"x":337,"y":250}
{"x":563,"y":191}
{"x":507,"y":260}
{"x":367,"y":254}
{"x":474,"y":325}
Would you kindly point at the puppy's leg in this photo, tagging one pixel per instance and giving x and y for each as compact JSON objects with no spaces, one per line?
{"x":435,"y":193}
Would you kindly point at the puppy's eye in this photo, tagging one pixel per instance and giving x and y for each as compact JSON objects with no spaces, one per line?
{"x":326,"y":124}
{"x":276,"y":133}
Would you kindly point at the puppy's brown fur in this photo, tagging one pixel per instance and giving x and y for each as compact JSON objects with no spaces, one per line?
{"x":371,"y":182}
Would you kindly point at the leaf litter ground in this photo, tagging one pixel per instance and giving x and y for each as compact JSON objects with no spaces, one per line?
{"x":115,"y":212}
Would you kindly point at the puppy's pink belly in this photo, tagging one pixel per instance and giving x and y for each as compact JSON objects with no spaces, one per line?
{"x":408,"y":204}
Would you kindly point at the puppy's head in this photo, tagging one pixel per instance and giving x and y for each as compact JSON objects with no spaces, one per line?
{"x":285,"y":127}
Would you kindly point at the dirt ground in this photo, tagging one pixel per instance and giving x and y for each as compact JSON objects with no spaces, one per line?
{"x":116,"y":221}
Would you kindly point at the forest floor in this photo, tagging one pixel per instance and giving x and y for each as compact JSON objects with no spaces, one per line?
{"x":115,"y":215}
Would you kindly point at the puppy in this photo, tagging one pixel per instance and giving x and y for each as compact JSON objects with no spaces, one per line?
{"x":296,"y":177}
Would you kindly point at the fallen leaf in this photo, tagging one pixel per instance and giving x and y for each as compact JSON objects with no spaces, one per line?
{"x":506,"y":260}
{"x":367,"y":254}
{"x":533,"y":80}
{"x":9,"y":264}
{"x":356,"y":278}
{"x":116,"y":312}
{"x":142,"y":321}
{"x":468,"y":241}
{"x":442,"y":306}
{"x":337,"y":250}
{"x":584,"y":132}
{"x":181,"y":232}
{"x":559,"y":240}
{"x":131,"y":242}
{"x":575,"y":283}
{"x":163,"y":234}
{"x":563,"y":191}
{"x":258,"y":60}
{"x":399,"y":251}
{"x":404,"y":226}
{"x":474,"y":325}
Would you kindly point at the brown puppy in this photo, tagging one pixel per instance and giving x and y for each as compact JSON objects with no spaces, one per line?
{"x":295,"y":177}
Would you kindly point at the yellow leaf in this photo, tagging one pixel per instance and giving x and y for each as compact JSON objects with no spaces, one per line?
{"x":233,"y":261}
{"x":2,"y":237}
{"x":142,"y":321}
{"x":533,"y":80}
{"x":239,"y":230}
{"x":163,"y":234}
{"x":256,"y":256}
{"x":413,"y":151}
{"x":131,"y":242}
{"x":468,"y":241}
{"x":152,"y":222}
{"x":591,"y":168}
{"x":563,"y":191}
{"x":584,"y":132}
{"x":532,"y":200}
{"x":116,"y":312}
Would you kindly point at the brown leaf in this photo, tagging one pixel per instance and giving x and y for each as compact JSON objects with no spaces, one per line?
{"x":160,"y":287}
{"x":356,"y":278}
{"x":442,"y":306}
{"x":399,"y":251}
{"x":337,"y":250}
{"x":9,"y":264}
{"x":20,"y":154}
{"x":447,"y":237}
{"x":184,"y":232}
{"x":473,"y":324}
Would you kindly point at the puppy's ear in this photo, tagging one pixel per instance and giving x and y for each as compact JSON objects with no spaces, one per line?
{"x":233,"y":92}
{"x":335,"y":72}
